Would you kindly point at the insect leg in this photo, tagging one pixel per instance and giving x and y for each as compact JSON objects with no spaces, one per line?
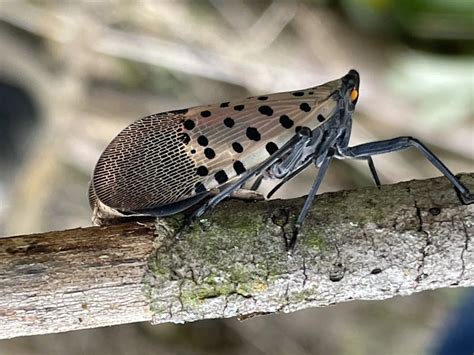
{"x":227,"y":191}
{"x":341,"y":154}
{"x":256,"y":184}
{"x":400,"y":143}
{"x":373,"y":172}
{"x":288,"y":178}
{"x":311,"y":197}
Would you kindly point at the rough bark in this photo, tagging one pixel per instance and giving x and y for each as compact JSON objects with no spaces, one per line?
{"x":362,"y":244}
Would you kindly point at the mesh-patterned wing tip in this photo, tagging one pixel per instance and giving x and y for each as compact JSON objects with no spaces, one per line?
{"x":101,"y":213}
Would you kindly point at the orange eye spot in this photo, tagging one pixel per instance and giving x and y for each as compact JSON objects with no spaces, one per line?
{"x":354,"y":94}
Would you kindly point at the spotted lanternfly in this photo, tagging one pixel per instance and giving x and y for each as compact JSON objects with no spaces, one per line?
{"x":171,"y":161}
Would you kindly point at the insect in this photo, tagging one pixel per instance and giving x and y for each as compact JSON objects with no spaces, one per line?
{"x":172,"y":161}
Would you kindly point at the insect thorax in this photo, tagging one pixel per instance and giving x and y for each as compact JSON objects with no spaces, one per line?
{"x":335,"y":132}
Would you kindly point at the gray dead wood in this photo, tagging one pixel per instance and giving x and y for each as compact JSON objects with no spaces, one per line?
{"x":365,"y":244}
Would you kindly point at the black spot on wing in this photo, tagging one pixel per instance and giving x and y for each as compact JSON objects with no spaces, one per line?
{"x":209,"y":153}
{"x":271,"y":147}
{"x":224,"y":104}
{"x":253,"y":134}
{"x":239,"y":107}
{"x":221,"y":177}
{"x":298,"y":93}
{"x":202,"y":140}
{"x":229,"y":122}
{"x":199,"y":188}
{"x":202,"y":171}
{"x":305,"y":107}
{"x":321,"y":118}
{"x":237,"y":147}
{"x":265,"y":110}
{"x":189,"y":124}
{"x":239,"y":167}
{"x":206,"y":113}
{"x":286,"y":122}
{"x":262,"y":98}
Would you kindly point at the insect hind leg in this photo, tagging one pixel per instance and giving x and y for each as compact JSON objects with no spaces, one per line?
{"x":366,"y":150}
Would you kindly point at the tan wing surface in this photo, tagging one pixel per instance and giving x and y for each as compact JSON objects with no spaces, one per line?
{"x":168,"y":157}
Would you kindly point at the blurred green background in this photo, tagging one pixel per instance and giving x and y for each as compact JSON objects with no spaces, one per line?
{"x":74,"y":73}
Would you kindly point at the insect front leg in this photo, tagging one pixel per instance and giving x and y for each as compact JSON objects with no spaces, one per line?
{"x":366,"y":150}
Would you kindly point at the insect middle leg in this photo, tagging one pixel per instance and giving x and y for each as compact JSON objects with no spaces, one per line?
{"x":310,"y":198}
{"x":288,"y":178}
{"x":298,"y":140}
{"x":256,"y":184}
{"x":341,"y":154}
{"x":366,"y":150}
{"x":373,"y":171}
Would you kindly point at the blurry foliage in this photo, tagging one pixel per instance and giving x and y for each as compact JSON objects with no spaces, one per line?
{"x":156,"y":80}
{"x":439,"y":86}
{"x":438,"y":25}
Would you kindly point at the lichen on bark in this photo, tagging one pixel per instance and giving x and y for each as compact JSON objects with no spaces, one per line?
{"x":365,"y":244}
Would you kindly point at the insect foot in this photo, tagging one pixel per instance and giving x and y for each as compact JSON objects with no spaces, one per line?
{"x":294,"y":237}
{"x":466,"y":198}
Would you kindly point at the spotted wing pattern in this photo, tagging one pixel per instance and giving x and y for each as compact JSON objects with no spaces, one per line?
{"x":146,"y":165}
{"x":169,"y":157}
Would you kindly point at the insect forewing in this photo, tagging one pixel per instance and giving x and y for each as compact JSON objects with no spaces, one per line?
{"x":169,"y":157}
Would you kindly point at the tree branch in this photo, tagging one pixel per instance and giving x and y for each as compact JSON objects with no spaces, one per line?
{"x":364,"y":244}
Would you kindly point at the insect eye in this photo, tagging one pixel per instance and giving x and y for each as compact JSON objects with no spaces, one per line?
{"x":354,"y":95}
